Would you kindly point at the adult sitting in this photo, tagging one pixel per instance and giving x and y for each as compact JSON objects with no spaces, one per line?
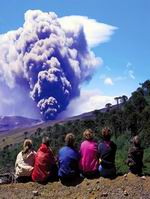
{"x":25,"y":162}
{"x":68,"y":160}
{"x":107,"y":151}
{"x":89,"y":155}
{"x":44,"y":163}
{"x":135,"y":157}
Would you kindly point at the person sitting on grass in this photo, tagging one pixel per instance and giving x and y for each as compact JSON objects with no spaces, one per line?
{"x":89,"y":155}
{"x":135,"y":157}
{"x":107,"y":151}
{"x":45,"y":165}
{"x":68,"y":160}
{"x":25,"y":162}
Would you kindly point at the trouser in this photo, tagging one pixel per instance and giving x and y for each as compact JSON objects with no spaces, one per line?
{"x":107,"y":172}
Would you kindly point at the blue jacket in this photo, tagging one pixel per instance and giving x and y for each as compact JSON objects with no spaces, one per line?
{"x":68,"y":161}
{"x":107,"y":152}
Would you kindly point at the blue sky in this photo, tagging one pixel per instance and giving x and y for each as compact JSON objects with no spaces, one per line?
{"x":125,"y":56}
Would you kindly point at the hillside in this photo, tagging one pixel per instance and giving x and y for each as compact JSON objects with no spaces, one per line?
{"x":8,"y":123}
{"x":12,"y":128}
{"x":131,"y":187}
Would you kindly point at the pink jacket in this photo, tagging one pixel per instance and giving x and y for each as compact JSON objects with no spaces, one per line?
{"x":89,"y":156}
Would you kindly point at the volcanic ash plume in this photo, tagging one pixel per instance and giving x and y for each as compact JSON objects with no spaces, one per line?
{"x":45,"y":60}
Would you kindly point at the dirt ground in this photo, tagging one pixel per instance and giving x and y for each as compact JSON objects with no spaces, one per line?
{"x":130,"y":187}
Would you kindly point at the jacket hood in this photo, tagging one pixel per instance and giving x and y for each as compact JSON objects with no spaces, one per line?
{"x":44,"y":148}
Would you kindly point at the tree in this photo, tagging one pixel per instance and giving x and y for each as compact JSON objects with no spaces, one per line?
{"x":138,"y":101}
{"x":117,"y":100}
{"x":25,"y":134}
{"x":108,"y":106}
{"x":89,"y":124}
{"x":96,"y":114}
{"x":124,"y":99}
{"x":39,"y":130}
{"x":146,"y":87}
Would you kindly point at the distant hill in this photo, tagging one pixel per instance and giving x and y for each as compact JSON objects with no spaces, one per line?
{"x":8,"y":123}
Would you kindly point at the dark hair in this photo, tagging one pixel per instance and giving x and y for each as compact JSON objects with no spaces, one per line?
{"x":136,"y":140}
{"x":46,"y":141}
{"x":106,"y":133}
{"x":70,"y":139}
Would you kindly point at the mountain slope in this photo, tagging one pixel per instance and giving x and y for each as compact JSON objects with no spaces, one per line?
{"x":8,"y":123}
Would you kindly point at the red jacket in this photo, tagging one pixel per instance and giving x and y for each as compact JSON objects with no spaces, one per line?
{"x":44,"y":161}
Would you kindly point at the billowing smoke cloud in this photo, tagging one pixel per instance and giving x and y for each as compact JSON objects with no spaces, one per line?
{"x":45,"y":61}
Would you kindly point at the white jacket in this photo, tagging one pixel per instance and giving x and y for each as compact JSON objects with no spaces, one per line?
{"x":24,"y":165}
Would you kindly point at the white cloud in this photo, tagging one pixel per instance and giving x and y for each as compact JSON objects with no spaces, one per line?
{"x":95,"y":32}
{"x":119,"y":78}
{"x":108,"y":81}
{"x":128,"y":73}
{"x":89,"y":100}
{"x":131,"y":74}
{"x":128,"y":65}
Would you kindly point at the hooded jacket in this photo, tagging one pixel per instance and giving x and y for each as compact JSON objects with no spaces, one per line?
{"x":44,"y":161}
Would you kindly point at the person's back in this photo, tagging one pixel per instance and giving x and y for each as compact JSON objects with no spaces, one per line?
{"x":44,"y":162}
{"x":89,"y":155}
{"x":25,"y":162}
{"x":107,"y":152}
{"x":68,"y":159}
{"x":135,"y":157}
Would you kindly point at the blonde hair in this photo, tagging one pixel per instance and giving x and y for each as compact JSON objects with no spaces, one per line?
{"x":69,"y":139}
{"x":27,"y":145}
{"x":88,"y":134}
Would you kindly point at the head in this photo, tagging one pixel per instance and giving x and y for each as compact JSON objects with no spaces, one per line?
{"x":88,"y":134}
{"x":136,"y":140}
{"x":70,"y":139}
{"x":27,"y":145}
{"x":46,"y":141}
{"x":106,"y":133}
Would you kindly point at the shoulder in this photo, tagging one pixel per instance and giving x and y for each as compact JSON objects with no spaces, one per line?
{"x":19,"y":154}
{"x":63,"y":149}
{"x":19,"y":157}
{"x":84,"y":143}
{"x":100,"y":145}
{"x":132,"y":149}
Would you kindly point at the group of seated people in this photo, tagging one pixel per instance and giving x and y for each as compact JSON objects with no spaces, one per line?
{"x":92,"y":160}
